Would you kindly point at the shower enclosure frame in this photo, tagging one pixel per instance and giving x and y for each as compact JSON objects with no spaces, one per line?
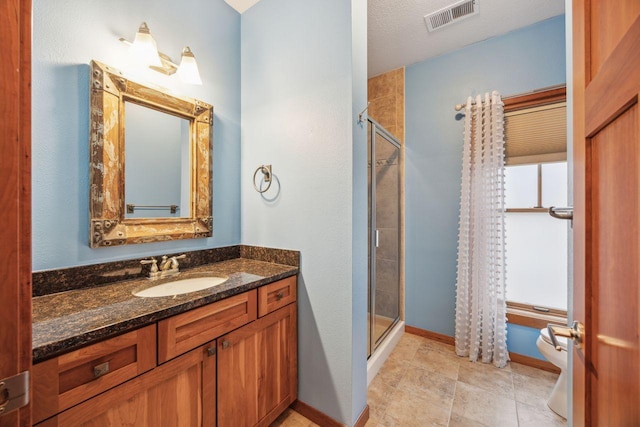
{"x":375,"y":341}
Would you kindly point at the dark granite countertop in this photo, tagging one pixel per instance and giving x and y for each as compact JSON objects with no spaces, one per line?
{"x":68,"y":320}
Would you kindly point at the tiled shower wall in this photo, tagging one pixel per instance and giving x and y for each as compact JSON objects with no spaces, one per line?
{"x":386,"y":97}
{"x":388,"y":225}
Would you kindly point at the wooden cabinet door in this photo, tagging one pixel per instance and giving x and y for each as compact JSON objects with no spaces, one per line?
{"x":257,"y":370}
{"x":179,"y":393}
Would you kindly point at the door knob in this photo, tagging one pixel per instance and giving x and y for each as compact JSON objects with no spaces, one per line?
{"x":575,"y":332}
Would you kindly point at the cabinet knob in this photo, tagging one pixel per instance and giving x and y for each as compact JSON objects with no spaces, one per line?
{"x":279,"y":295}
{"x":225,"y":344}
{"x":211,"y":351}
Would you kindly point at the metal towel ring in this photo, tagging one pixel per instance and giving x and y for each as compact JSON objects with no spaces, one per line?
{"x":266,"y":171}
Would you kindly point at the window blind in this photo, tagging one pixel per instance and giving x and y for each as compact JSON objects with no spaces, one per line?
{"x":536,"y":135}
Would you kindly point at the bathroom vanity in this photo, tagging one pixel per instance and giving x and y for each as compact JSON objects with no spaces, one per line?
{"x":224,"y":356}
{"x":110,"y":351}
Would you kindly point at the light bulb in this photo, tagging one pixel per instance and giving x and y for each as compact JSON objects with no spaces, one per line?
{"x":144,"y":49}
{"x":188,"y":70}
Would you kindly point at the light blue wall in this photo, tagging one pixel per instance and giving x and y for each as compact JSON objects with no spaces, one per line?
{"x":360,"y":210}
{"x":522,"y":340}
{"x":300,"y":81}
{"x":67,"y":35}
{"x":520,"y":61}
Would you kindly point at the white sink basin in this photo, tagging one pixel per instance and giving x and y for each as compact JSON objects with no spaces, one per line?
{"x":179,"y":287}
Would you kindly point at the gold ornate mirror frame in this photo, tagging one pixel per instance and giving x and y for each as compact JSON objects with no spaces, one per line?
{"x":108,"y":226}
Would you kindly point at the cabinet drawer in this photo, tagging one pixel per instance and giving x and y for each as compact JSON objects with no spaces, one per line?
{"x":178,"y":393}
{"x":275,"y":295}
{"x":69,"y":379}
{"x":186,"y":331}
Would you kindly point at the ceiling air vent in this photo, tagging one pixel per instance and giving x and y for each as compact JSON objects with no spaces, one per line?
{"x":451,"y":14}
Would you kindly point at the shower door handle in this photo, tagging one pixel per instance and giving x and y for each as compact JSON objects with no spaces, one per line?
{"x":377,"y":238}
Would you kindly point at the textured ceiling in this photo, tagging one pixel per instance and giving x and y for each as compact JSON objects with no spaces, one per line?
{"x":398,"y":36}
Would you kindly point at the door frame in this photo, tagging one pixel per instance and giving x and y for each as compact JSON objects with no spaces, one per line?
{"x":579,"y":205}
{"x":15,"y":196}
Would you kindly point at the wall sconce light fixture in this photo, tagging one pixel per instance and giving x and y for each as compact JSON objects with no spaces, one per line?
{"x":145,"y":51}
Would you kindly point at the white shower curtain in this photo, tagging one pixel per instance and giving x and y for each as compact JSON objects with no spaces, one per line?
{"x":481,"y":328}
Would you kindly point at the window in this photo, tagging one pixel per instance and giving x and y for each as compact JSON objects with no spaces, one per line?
{"x":536,"y":243}
{"x":535,"y":179}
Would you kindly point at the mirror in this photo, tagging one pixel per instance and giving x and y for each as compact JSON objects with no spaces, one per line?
{"x":163,"y":190}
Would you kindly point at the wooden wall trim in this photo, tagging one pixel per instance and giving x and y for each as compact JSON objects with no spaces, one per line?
{"x":515,"y":357}
{"x":315,"y":415}
{"x":25,"y":196}
{"x":532,"y":322}
{"x":533,"y":362}
{"x":526,"y":315}
{"x":15,"y":195}
{"x":430,"y":335}
{"x":536,"y":99}
{"x":581,"y":76}
{"x":323,"y":419}
{"x":363,"y":418}
{"x":530,"y":308}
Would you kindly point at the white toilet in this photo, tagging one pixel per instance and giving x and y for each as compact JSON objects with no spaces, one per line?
{"x":558,"y":399}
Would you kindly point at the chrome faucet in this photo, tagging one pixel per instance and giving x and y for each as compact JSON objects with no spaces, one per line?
{"x":168,"y":266}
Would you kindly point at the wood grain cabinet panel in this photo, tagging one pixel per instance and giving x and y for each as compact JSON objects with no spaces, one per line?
{"x":276,"y":295}
{"x":183,"y":332}
{"x":180,"y":393}
{"x":76,"y":376}
{"x":257,"y":370}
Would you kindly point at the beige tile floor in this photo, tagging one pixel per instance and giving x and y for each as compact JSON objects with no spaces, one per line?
{"x":423,"y":383}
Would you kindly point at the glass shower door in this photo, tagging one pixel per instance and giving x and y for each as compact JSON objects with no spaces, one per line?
{"x":384,"y":236}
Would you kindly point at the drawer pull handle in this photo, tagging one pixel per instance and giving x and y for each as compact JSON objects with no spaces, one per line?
{"x":100,"y":370}
{"x":279,"y":295}
{"x":225,"y":344}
